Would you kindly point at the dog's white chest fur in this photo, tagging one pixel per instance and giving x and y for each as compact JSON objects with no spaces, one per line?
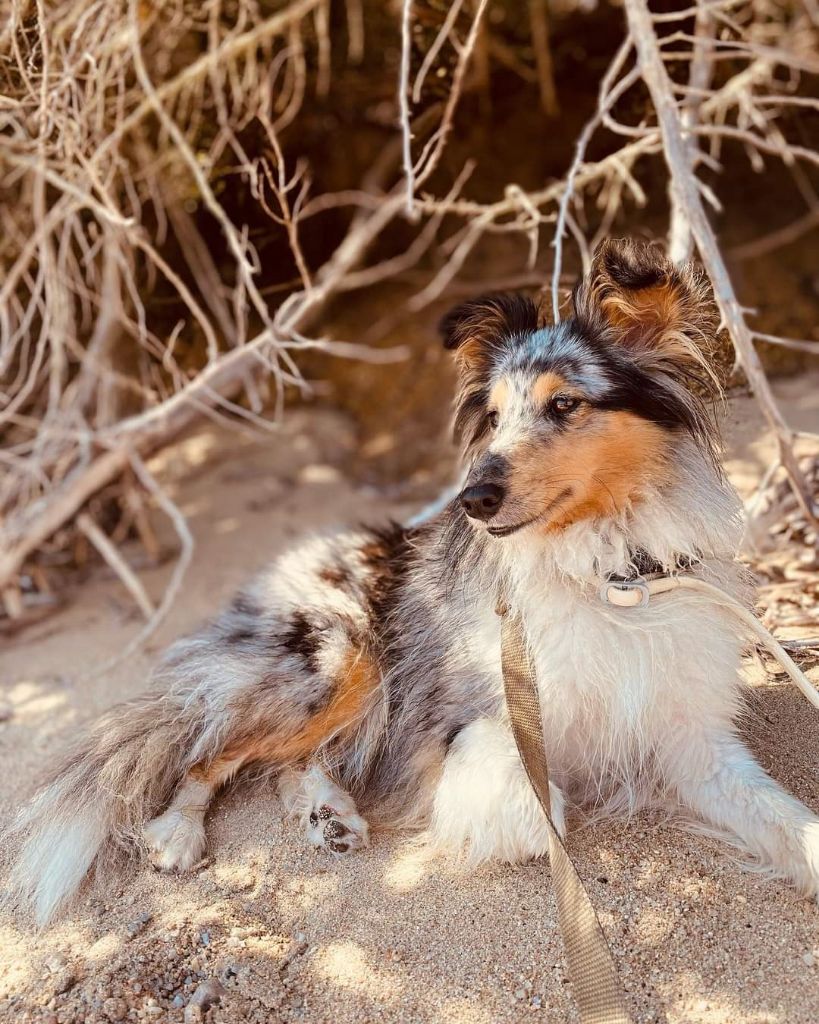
{"x":614,"y":682}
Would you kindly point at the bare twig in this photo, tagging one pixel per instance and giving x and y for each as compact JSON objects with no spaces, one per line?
{"x":115,"y":560}
{"x":404,"y":104}
{"x":680,"y":242}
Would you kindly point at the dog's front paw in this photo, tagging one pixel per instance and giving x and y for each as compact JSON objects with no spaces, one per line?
{"x":337,"y":831}
{"x":175,"y":841}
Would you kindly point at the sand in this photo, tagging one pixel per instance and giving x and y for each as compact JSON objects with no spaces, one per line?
{"x":291,"y":935}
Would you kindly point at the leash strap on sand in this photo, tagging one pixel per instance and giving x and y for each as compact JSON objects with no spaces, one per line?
{"x":596,"y":985}
{"x":597,"y":989}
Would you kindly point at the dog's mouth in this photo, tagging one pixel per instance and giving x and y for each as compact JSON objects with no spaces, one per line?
{"x":506,"y":531}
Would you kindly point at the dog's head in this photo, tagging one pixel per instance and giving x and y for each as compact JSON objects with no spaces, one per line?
{"x":581,"y":419}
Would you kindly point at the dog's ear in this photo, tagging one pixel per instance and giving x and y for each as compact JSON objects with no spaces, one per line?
{"x":648,"y":304}
{"x":478,"y":329}
{"x":478,"y":332}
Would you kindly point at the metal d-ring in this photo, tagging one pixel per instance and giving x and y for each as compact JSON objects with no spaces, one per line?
{"x":625,"y":593}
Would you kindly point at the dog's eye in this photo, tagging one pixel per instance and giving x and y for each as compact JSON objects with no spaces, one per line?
{"x":492,"y":419}
{"x":563,"y":404}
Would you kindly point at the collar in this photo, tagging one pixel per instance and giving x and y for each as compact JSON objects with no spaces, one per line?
{"x":633,"y":590}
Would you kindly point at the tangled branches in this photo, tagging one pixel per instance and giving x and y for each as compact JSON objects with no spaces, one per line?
{"x":134,"y":298}
{"x":103,"y":164}
{"x":766,"y":51}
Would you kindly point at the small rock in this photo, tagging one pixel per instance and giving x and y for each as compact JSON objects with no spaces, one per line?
{"x":136,"y":926}
{"x":193,"y":1015}
{"x":208,"y":993}
{"x":115,"y":1009}
{"x":178,"y":1001}
{"x":809,"y":959}
{"x":62,"y":981}
{"x":520,"y":993}
{"x":537,"y":1002}
{"x":204,"y":938}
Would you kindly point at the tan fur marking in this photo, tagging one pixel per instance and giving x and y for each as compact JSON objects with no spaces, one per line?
{"x":356,"y":682}
{"x":499,"y":396}
{"x":648,"y":314}
{"x":547,"y":385}
{"x":612,"y":461}
{"x":470,"y":354}
{"x":213,"y":772}
{"x":604,"y":462}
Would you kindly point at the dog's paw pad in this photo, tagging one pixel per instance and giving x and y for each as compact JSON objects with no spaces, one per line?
{"x":336,"y":831}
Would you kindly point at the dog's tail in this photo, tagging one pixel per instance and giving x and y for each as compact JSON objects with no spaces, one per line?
{"x":125,"y":768}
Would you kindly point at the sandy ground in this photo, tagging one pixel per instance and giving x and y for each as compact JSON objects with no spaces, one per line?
{"x":294,"y":936}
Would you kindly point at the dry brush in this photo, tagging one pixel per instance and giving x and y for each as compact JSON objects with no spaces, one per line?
{"x":128,"y":124}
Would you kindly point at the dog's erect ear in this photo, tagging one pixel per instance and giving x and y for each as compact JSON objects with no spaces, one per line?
{"x":479,"y":328}
{"x":648,"y":304}
{"x":478,"y":332}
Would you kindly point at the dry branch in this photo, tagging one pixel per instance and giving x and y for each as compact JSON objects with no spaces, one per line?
{"x":688,"y":198}
{"x":109,"y":136}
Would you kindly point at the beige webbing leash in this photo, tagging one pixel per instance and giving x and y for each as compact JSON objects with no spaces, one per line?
{"x":597,"y":989}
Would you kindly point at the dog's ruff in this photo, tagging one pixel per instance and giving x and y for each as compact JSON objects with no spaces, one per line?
{"x":364,"y":668}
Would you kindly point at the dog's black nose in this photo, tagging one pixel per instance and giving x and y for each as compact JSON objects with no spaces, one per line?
{"x":482,"y":501}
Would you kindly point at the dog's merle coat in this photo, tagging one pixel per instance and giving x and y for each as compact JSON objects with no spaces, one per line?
{"x":365,"y":667}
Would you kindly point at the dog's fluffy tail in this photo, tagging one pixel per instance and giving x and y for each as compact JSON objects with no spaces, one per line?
{"x":116,"y":777}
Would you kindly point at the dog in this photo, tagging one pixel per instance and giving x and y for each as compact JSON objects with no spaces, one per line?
{"x":364,"y":668}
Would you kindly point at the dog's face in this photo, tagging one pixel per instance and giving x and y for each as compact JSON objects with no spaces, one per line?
{"x":580,"y":420}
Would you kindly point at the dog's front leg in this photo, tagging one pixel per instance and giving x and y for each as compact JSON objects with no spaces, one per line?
{"x":716,"y":776}
{"x":484,"y":803}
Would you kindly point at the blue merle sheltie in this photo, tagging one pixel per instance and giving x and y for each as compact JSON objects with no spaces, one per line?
{"x":364,"y":668}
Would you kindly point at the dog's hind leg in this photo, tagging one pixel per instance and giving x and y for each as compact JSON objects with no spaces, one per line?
{"x":327,"y":814}
{"x":176,"y":839}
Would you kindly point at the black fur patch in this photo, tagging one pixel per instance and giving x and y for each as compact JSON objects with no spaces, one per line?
{"x":450,"y":736}
{"x":666,"y":399}
{"x":301,"y":638}
{"x":388,"y":556}
{"x":494,"y":318}
{"x":243,"y":620}
{"x":470,"y":416}
{"x":635,"y":267}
